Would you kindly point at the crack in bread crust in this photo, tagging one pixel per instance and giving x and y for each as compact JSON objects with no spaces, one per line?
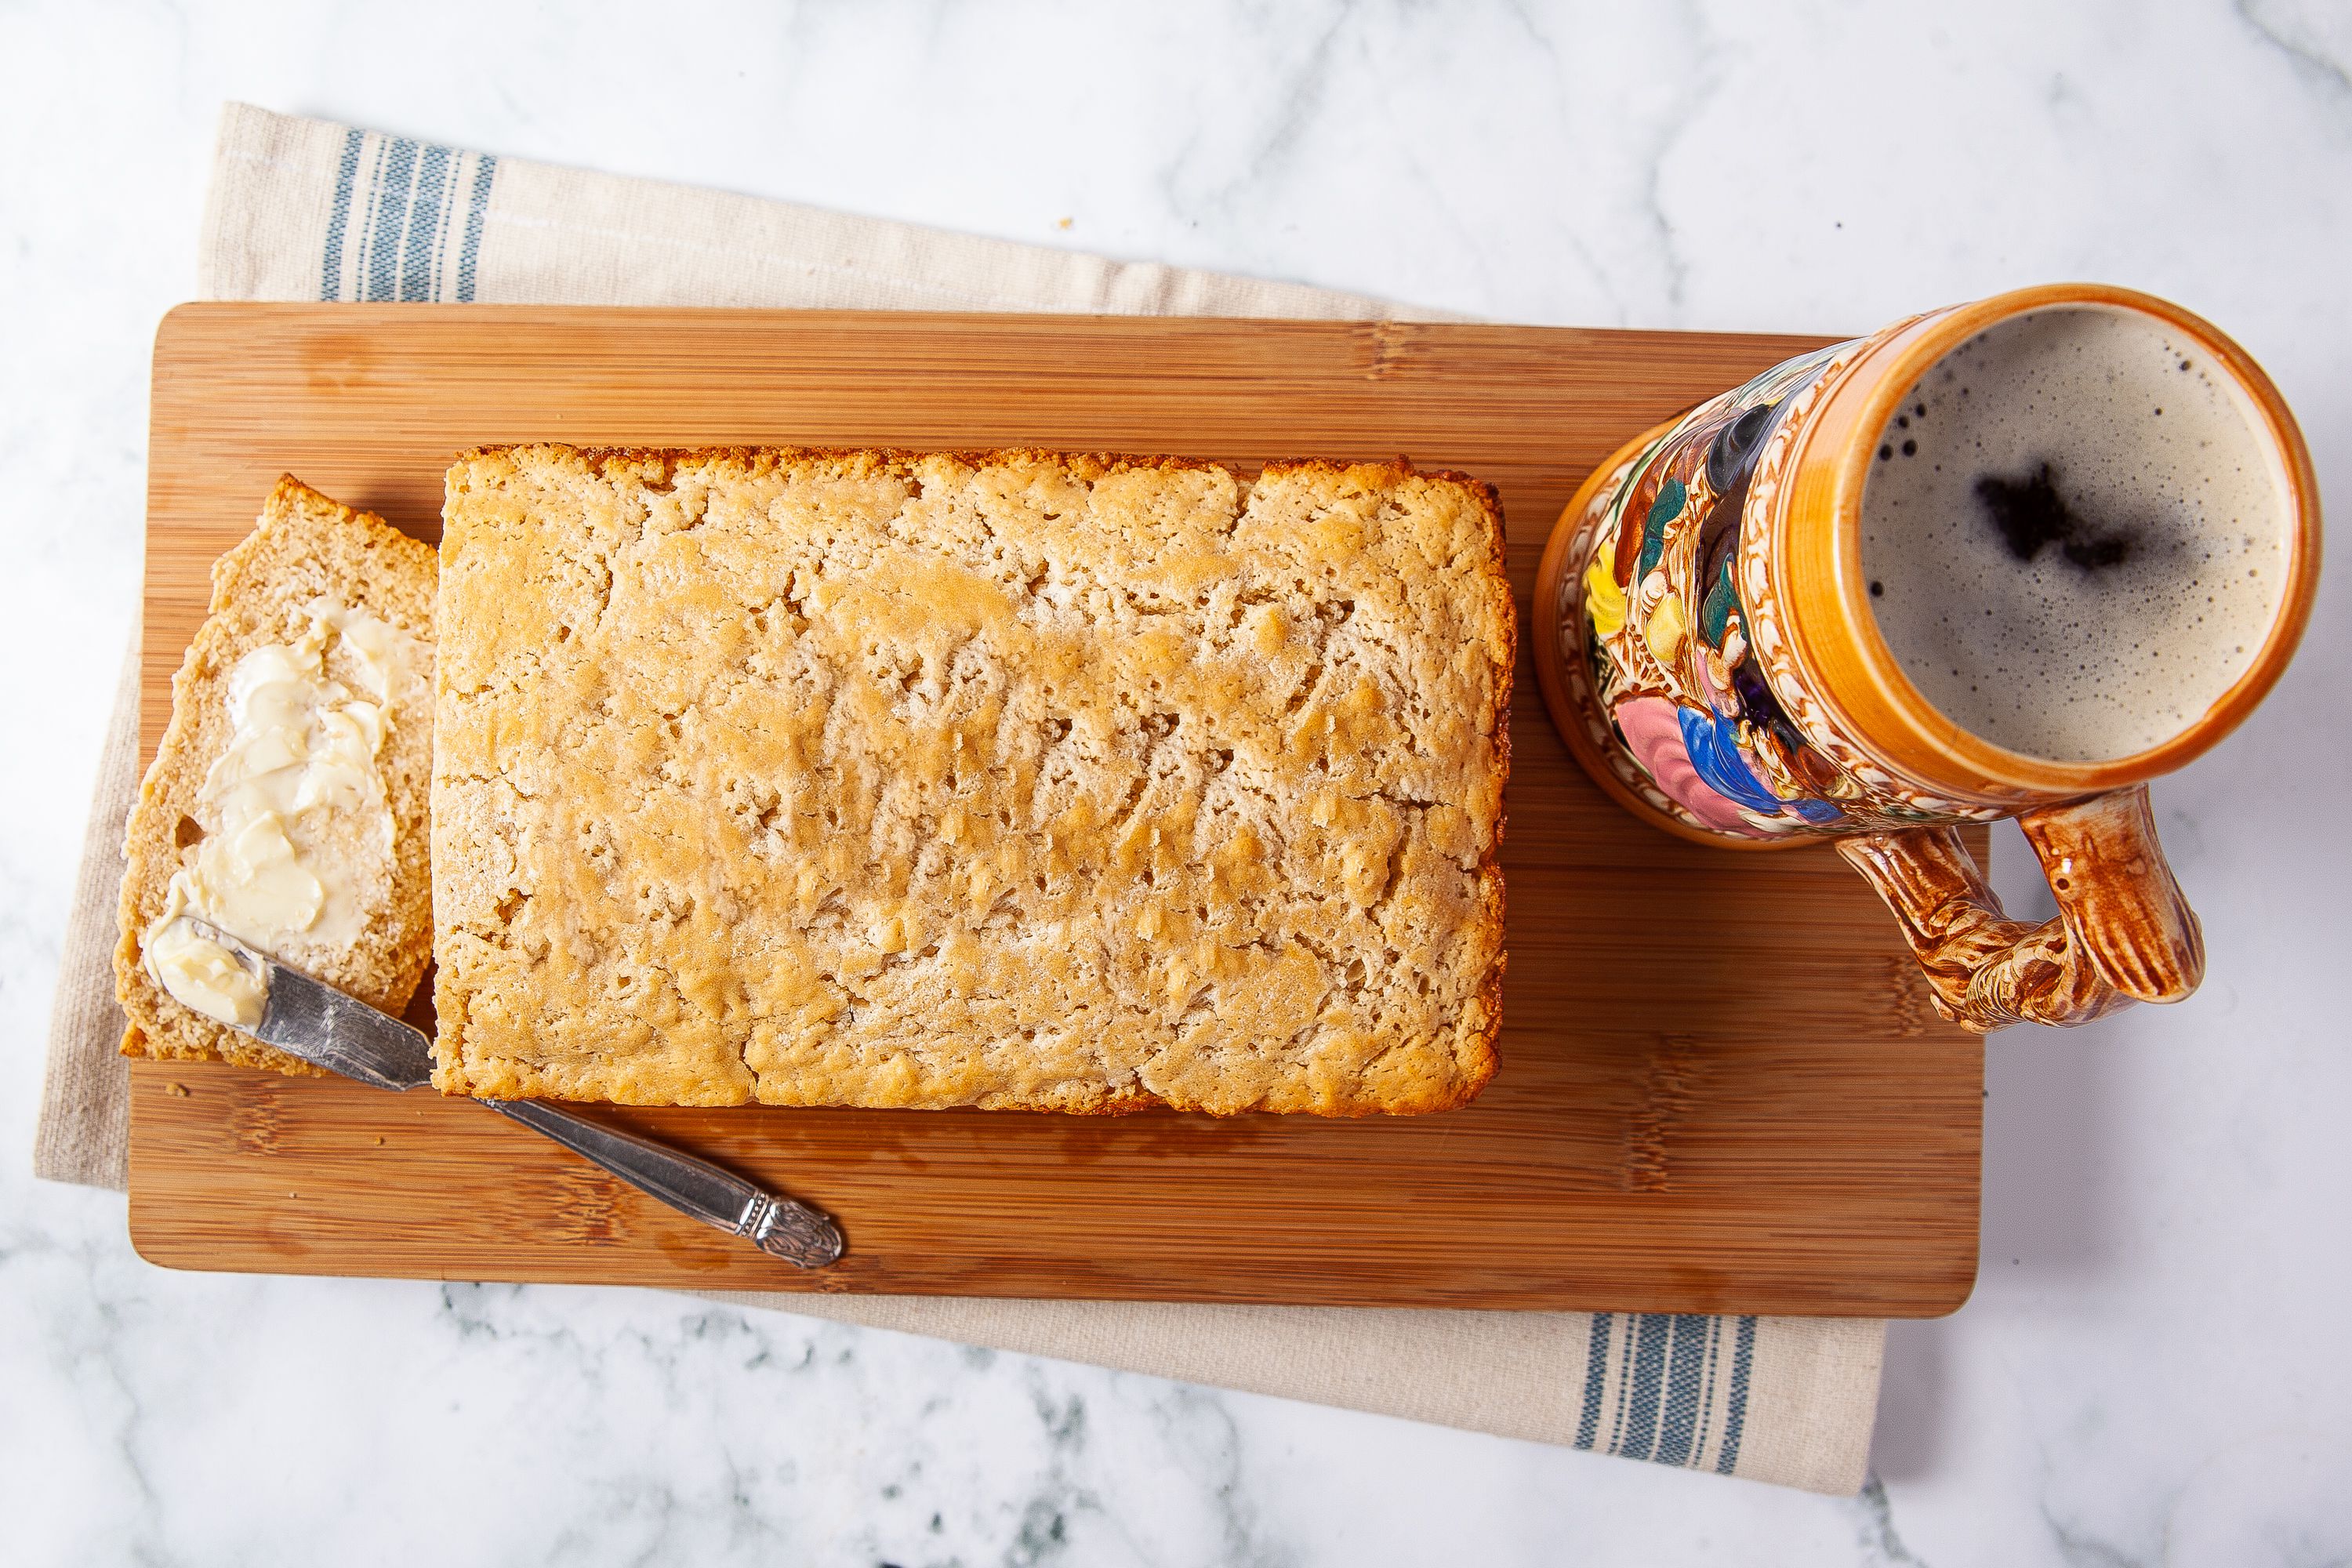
{"x":1012,"y":779}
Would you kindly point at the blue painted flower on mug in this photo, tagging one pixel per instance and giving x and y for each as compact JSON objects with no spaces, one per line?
{"x":1712,"y":740}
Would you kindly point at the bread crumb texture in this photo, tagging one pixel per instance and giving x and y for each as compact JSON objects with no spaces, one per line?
{"x":305,"y":547}
{"x":1012,"y":779}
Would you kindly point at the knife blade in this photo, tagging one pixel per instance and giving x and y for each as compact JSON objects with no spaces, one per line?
{"x":306,"y":1017}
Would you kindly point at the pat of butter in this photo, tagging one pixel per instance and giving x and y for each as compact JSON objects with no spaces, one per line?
{"x":204,"y":974}
{"x":255,"y":880}
{"x":297,"y":829}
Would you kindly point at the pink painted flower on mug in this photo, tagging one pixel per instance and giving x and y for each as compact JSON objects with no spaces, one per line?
{"x":1654,"y":734}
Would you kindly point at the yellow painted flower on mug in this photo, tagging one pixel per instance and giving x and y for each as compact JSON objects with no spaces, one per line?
{"x":1604,"y":601}
{"x":1666,"y":631}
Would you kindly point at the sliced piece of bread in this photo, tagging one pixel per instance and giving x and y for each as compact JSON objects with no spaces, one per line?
{"x":1012,"y":779}
{"x":307,"y":551}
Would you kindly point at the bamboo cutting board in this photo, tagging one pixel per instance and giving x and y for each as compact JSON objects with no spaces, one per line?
{"x":1722,"y":1087}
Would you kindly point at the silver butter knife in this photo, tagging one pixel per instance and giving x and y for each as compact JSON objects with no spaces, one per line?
{"x":311,"y":1019}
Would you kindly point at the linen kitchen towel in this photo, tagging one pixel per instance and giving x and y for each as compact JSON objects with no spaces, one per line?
{"x":303,"y":209}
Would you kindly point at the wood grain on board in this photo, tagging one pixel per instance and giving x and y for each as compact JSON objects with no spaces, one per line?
{"x":1722,"y":1087}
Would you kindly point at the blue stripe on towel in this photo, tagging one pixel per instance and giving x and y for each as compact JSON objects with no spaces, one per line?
{"x":331,"y":271}
{"x":391,"y":197}
{"x":423,"y":226}
{"x":1737,"y":1416}
{"x":1596,"y":1372}
{"x":1641,"y":1437}
{"x":1685,"y":1372}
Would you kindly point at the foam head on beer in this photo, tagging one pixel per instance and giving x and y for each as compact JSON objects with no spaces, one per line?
{"x":2076,"y":533}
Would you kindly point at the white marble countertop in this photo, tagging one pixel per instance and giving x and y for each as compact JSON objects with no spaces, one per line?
{"x":2146,"y":1372}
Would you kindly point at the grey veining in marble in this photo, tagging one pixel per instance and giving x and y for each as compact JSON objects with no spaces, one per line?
{"x":2150,"y":1371}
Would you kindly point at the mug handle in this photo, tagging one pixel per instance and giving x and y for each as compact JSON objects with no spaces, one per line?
{"x":2123,"y":931}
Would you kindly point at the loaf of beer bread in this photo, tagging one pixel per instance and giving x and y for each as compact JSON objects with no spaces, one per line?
{"x":1012,"y":779}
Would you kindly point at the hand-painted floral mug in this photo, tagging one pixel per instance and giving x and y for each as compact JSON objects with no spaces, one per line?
{"x":2013,"y":558}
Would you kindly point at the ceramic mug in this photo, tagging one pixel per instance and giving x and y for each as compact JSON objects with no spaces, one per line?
{"x":1707,"y":645}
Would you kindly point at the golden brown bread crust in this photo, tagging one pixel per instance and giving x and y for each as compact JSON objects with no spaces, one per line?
{"x":304,"y":546}
{"x":1018,"y":779}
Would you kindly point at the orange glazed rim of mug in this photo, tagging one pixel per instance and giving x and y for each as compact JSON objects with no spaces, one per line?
{"x":1923,"y":741}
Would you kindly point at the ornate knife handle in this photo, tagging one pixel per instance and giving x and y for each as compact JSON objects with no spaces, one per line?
{"x":789,"y":1230}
